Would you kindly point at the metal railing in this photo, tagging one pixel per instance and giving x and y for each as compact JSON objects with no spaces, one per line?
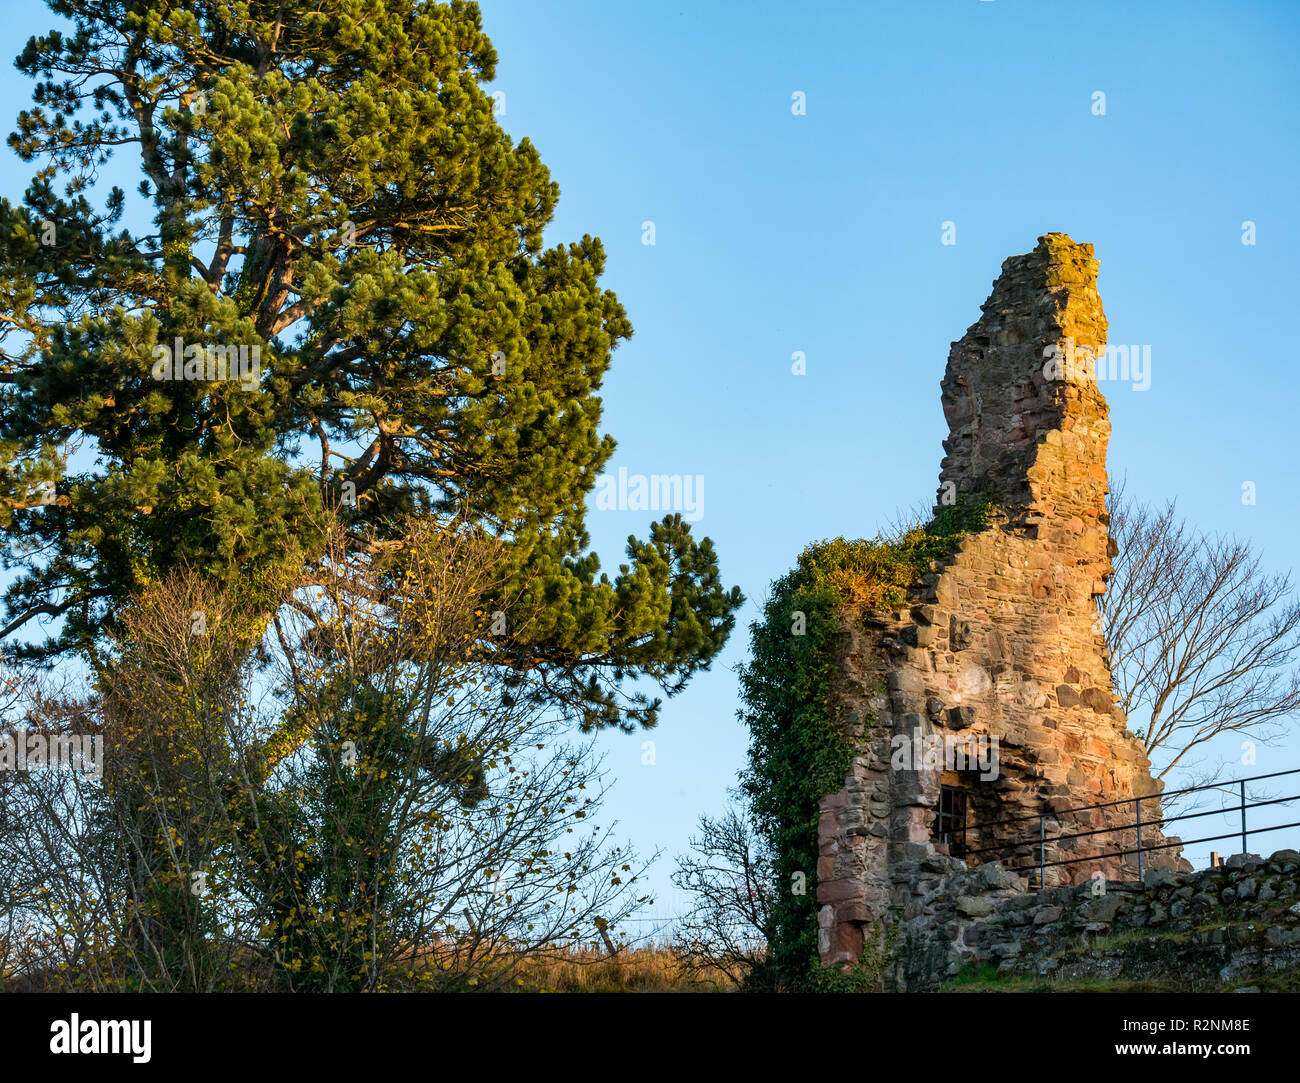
{"x":1137,"y":825}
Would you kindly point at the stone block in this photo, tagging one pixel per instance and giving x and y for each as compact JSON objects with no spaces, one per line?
{"x":975,"y":906}
{"x":1154,"y":878}
{"x":1101,"y":909}
{"x":960,"y":718}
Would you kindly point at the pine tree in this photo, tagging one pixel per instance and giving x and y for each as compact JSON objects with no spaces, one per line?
{"x":331,"y":195}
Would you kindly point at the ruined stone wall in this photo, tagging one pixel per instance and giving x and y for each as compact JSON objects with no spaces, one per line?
{"x":1001,"y":641}
{"x":1229,"y":927}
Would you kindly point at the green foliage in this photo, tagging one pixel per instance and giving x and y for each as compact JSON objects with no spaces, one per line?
{"x":799,"y":751}
{"x":330,"y":896}
{"x":864,"y":976}
{"x":328,"y":185}
{"x":346,"y":801}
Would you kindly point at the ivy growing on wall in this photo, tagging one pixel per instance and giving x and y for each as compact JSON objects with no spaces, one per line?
{"x":799,"y":752}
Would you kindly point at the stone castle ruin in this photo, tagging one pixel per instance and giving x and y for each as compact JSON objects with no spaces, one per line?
{"x":997,"y":653}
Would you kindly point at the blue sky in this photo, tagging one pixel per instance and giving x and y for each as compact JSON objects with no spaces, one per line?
{"x":820,"y":233}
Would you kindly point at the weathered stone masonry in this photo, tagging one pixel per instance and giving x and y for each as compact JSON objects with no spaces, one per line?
{"x":1003,"y":639}
{"x":1233,"y":926}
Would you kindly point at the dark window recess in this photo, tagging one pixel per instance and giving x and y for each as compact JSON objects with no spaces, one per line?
{"x":950,"y":827}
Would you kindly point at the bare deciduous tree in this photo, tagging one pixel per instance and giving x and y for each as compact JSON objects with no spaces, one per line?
{"x":731,"y":881}
{"x":1202,"y":639}
{"x":343,"y":794}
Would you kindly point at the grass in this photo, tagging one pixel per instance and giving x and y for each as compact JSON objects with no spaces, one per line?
{"x":638,"y":970}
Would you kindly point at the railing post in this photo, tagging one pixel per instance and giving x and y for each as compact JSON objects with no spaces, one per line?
{"x":1138,"y":802}
{"x":1042,"y":853}
{"x":1243,"y":819}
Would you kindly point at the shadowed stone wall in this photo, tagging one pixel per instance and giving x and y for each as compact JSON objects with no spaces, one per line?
{"x":1222,"y":928}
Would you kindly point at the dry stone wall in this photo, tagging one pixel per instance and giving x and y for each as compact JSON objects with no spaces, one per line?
{"x":1232,"y":927}
{"x":1000,"y":646}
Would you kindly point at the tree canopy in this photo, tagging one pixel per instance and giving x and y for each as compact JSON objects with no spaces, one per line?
{"x":325,"y":185}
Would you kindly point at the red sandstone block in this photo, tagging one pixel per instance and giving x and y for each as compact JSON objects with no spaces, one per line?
{"x":837,"y":891}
